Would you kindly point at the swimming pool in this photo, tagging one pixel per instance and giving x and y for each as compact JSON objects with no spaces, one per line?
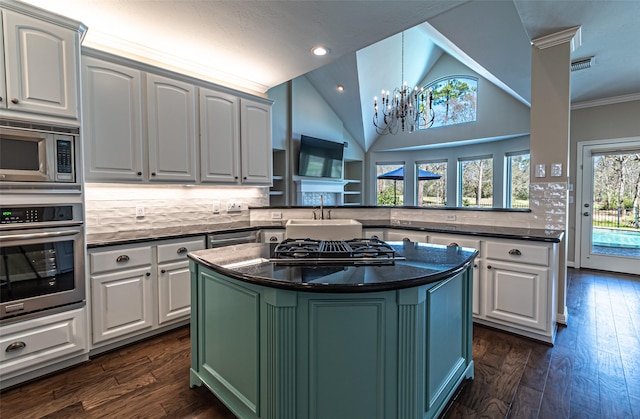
{"x":610,"y":237}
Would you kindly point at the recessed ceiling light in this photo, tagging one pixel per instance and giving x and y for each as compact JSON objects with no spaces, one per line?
{"x":320,"y":50}
{"x":340,"y":88}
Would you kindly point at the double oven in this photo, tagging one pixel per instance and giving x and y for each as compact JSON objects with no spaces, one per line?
{"x":42,"y":243}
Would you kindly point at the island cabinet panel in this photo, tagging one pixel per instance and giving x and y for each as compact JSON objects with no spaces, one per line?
{"x":288,"y":354}
{"x":448,"y":345}
{"x":350,"y":346}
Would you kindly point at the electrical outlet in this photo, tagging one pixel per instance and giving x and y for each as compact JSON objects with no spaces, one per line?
{"x":215,"y":208}
{"x":276,"y":215}
{"x":234,"y":207}
{"x":139,"y":211}
{"x":451,"y":217}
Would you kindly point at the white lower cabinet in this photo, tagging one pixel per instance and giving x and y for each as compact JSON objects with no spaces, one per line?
{"x":514,"y":281}
{"x":120,"y":292}
{"x":520,"y":287}
{"x":405,"y":235}
{"x":37,"y":346}
{"x":174,"y":279}
{"x":516,"y":294}
{"x":139,"y":288}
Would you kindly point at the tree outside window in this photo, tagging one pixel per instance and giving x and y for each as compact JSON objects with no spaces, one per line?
{"x":389,"y":191}
{"x":518,"y":168}
{"x":432,"y":193}
{"x":454,"y":101}
{"x":476,"y":182}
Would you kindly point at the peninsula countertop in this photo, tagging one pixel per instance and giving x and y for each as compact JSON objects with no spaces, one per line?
{"x":422,"y":263}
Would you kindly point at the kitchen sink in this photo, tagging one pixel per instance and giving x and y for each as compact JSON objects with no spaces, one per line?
{"x":338,"y":229}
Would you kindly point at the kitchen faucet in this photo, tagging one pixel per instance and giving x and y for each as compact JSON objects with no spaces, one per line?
{"x":315,"y":215}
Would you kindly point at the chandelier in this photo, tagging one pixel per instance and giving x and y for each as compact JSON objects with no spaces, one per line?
{"x":404,"y":108}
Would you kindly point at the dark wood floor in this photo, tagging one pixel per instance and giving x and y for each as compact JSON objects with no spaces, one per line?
{"x":593,"y":371}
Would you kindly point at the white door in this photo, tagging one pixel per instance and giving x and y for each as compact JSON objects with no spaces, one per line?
{"x":606,"y":218}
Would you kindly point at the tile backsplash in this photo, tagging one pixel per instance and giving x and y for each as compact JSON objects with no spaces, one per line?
{"x":168,"y":209}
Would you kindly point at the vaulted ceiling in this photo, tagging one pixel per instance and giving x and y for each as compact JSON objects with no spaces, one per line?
{"x":255,"y":45}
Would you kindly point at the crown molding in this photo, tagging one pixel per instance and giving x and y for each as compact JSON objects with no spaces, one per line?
{"x":572,"y":35}
{"x":606,"y":101}
{"x":105,"y":42}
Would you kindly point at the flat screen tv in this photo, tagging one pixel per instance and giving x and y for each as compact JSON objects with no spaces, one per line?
{"x":320,"y":158}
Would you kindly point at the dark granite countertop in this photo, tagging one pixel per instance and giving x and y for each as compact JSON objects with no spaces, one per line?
{"x":425,"y":263}
{"x":517,"y":233}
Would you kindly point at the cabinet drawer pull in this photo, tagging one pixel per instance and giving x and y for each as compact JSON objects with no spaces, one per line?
{"x":406,"y":239}
{"x":15,"y":101}
{"x":163,"y":271}
{"x":453,"y":244}
{"x":475,"y":265}
{"x":273,"y":239}
{"x":15,"y":346}
{"x":122,"y":258}
{"x":181,"y":250}
{"x":515,"y":252}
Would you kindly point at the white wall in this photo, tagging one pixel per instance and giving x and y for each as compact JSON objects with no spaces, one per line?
{"x":499,"y":115}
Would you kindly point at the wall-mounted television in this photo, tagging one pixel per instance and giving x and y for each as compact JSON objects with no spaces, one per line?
{"x":320,"y":158}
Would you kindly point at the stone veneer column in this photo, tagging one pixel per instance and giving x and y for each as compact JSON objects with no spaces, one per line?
{"x":550,"y":139}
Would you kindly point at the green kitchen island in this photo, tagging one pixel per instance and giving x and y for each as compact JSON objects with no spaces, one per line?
{"x":331,"y":341}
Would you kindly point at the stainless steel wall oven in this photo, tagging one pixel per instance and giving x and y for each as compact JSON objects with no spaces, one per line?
{"x":41,"y":260}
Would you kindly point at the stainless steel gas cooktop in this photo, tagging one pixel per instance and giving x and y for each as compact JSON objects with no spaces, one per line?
{"x":353,"y":252}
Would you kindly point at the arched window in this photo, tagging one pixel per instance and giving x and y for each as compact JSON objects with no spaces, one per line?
{"x":454,"y":101}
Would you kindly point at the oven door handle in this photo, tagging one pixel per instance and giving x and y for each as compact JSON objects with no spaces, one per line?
{"x":45,"y":235}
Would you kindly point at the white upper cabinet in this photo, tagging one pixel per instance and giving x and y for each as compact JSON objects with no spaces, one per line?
{"x":40,"y":69}
{"x":172,"y":127}
{"x":141,"y":125}
{"x":219,"y":137}
{"x":112,"y":121}
{"x":255,"y":133}
{"x":235,"y":139}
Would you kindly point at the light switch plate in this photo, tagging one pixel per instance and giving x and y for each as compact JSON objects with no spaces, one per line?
{"x":556,"y":169}
{"x":540,"y":170}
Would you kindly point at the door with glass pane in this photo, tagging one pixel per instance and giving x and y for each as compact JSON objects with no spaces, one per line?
{"x":609,"y":208}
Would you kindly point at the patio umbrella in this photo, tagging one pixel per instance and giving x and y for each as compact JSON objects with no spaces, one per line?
{"x":398,"y":174}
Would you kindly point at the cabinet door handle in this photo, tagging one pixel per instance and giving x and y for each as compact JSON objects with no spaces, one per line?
{"x":15,"y":346}
{"x":1,"y":98}
{"x":15,"y":101}
{"x":147,"y":274}
{"x":139,"y":173}
{"x":453,"y":244}
{"x":488,"y":266}
{"x":153,"y":173}
{"x":181,"y":250}
{"x":475,"y":265}
{"x":163,"y":271}
{"x":122,"y":258}
{"x":515,"y":252}
{"x":273,"y":239}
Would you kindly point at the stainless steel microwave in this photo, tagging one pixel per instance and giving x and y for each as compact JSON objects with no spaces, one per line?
{"x":35,"y":156}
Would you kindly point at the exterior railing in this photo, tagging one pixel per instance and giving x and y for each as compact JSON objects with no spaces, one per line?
{"x":617,"y":218}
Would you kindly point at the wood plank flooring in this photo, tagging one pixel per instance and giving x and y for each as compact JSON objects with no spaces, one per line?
{"x":593,"y":371}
